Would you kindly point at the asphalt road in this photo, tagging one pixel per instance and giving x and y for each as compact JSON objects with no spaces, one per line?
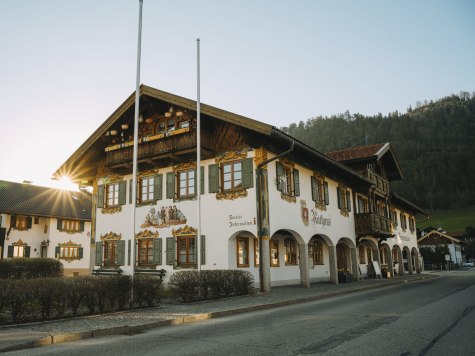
{"x":432,"y":317}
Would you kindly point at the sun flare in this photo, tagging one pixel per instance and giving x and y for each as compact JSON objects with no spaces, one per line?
{"x":65,"y":183}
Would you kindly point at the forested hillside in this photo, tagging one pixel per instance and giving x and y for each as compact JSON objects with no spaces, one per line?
{"x":435,"y":144}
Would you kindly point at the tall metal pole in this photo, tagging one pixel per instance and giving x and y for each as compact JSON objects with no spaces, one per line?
{"x":136,"y":134}
{"x":198,"y":157}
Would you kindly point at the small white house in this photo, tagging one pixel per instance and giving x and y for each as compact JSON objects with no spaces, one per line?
{"x":38,"y":222}
{"x":438,"y":238}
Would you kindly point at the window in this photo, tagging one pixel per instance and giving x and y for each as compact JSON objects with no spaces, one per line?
{"x":394,"y":218}
{"x":110,"y":253}
{"x":287,"y":179}
{"x":411,"y":224}
{"x":242,"y":252}
{"x":145,"y":251}
{"x":111,"y":195}
{"x":274,"y":253}
{"x":317,"y":252}
{"x":363,"y":206}
{"x":381,"y":208}
{"x":344,"y":200}
{"x":256,"y":252}
{"x":231,"y":175}
{"x":361,"y":255}
{"x":402,"y":218}
{"x":69,"y":251}
{"x":146,"y":189}
{"x":290,"y":252}
{"x":319,"y":191}
{"x":21,"y":222}
{"x":70,"y":226}
{"x":186,"y":252}
{"x":18,"y":249}
{"x":186,"y":183}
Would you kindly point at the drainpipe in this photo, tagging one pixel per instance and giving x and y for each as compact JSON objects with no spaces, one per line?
{"x":264,"y":287}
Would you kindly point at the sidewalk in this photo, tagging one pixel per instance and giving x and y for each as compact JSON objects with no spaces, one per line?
{"x":15,"y":337}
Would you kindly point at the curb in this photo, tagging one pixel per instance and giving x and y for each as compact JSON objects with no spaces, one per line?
{"x":128,"y":330}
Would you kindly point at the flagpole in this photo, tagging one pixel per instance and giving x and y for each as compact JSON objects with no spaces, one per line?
{"x":198,"y":157}
{"x":136,"y":135}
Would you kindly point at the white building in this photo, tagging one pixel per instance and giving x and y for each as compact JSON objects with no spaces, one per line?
{"x":435,"y":238}
{"x":40,"y":222}
{"x":262,"y":190}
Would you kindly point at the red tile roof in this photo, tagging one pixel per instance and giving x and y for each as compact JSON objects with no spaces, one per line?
{"x":356,"y":152}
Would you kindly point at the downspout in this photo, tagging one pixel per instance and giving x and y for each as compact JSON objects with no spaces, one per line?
{"x":259,"y":211}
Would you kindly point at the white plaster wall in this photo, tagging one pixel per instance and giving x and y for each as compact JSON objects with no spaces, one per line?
{"x":32,"y":237}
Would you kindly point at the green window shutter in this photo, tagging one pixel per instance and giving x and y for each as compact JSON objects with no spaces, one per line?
{"x":338,"y":195}
{"x":27,"y":251}
{"x":195,"y":252}
{"x":296,"y":182}
{"x":313,"y":184}
{"x":279,"y":174}
{"x":325,"y":191}
{"x":203,"y":250}
{"x":80,"y":252}
{"x":129,"y":251}
{"x":57,"y":251}
{"x":100,"y":196}
{"x":170,"y":185}
{"x":196,"y":182}
{"x":348,"y":201}
{"x":29,"y":221}
{"x":121,"y":252}
{"x":202,"y":179}
{"x":81,"y":226}
{"x":247,"y":173}
{"x":122,"y":192}
{"x":130,"y":191}
{"x":157,"y":251}
{"x":59,"y":224}
{"x":170,"y":251}
{"x":157,"y":187}
{"x":10,"y":251}
{"x":98,"y":253}
{"x":213,"y":178}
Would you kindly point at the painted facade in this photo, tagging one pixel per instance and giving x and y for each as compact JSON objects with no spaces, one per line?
{"x":270,"y":204}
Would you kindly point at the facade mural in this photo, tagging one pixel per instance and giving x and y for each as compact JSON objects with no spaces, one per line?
{"x":164,"y":217}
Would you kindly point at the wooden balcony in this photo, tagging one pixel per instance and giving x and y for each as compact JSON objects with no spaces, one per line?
{"x":381,"y":183}
{"x":372,"y":224}
{"x":156,"y":147}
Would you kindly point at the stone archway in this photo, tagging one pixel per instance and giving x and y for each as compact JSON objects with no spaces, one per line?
{"x":346,"y":257}
{"x":415,"y":260}
{"x":407,"y":258}
{"x":368,"y":252}
{"x":243,"y":250}
{"x":322,"y":258}
{"x":398,"y":266}
{"x":386,"y":259}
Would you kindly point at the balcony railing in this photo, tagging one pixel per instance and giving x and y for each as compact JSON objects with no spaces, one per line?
{"x":372,"y":224}
{"x":380,"y":182}
{"x":155,"y":148}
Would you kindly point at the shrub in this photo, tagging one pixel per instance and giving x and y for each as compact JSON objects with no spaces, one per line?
{"x":18,"y":268}
{"x":186,"y":284}
{"x":122,"y":288}
{"x":44,"y":290}
{"x":19,"y":298}
{"x":75,"y":293}
{"x":147,"y":289}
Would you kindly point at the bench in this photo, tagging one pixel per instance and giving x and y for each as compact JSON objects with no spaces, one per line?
{"x":107,"y":272}
{"x":153,"y":272}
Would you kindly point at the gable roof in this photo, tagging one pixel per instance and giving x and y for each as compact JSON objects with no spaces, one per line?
{"x":83,"y":162}
{"x":435,"y":233}
{"x":26,"y":199}
{"x":407,"y":205}
{"x":382,"y":152}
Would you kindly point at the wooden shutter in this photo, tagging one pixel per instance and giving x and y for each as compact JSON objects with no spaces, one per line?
{"x":158,"y":187}
{"x":170,"y":251}
{"x":100,"y":196}
{"x":80,"y":252}
{"x":213,"y":178}
{"x":348,"y":201}
{"x":325,"y":191}
{"x":338,"y":195}
{"x":195,"y":251}
{"x":98,"y":253}
{"x":29,"y":222}
{"x":122,"y":192}
{"x":279,"y":174}
{"x":59,"y":224}
{"x":170,"y":185}
{"x":296,"y":182}
{"x":27,"y":251}
{"x":247,"y":173}
{"x":81,"y":226}
{"x":121,"y":252}
{"x":57,"y":251}
{"x":313,"y":184}
{"x":157,"y":251}
{"x":10,"y":252}
{"x":203,"y":250}
{"x":202,"y":180}
{"x":130,"y":191}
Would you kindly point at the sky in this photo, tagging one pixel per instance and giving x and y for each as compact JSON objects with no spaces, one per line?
{"x":66,"y":65}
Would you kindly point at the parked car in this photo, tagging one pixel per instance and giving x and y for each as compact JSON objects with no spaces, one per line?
{"x":468,"y":264}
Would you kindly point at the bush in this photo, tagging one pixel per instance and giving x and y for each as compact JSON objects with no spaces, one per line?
{"x":18,"y":268}
{"x":75,"y":293}
{"x":147,"y":289}
{"x":207,"y":284}
{"x":44,"y":292}
{"x":19,"y":299}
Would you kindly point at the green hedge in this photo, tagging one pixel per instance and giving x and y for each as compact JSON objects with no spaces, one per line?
{"x":18,"y":268}
{"x":49,"y":298}
{"x":209,"y":284}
